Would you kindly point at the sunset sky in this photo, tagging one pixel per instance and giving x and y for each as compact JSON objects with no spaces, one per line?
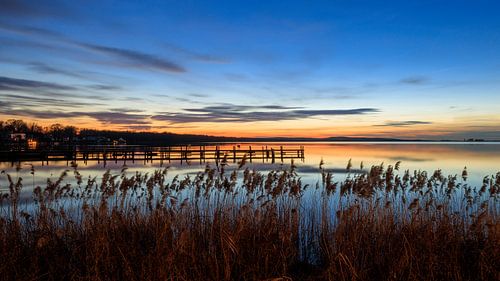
{"x":406,"y":69}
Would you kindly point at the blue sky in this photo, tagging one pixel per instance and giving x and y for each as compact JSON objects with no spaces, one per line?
{"x":414,"y":69}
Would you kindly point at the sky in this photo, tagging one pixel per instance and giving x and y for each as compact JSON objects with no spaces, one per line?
{"x":404,"y":69}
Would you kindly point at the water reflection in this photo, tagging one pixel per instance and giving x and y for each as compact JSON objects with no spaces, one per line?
{"x":481,"y":159}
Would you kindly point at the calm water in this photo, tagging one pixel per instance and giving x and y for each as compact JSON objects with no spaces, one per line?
{"x":481,"y":159}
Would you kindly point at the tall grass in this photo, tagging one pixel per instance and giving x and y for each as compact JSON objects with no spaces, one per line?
{"x":381,"y":224}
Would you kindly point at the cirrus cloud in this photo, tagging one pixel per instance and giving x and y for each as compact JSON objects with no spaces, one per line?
{"x":403,"y":123}
{"x":242,"y":113}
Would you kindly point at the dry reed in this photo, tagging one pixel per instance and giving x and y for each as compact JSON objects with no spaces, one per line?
{"x":381,"y":224}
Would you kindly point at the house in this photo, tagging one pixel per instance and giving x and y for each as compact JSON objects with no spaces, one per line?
{"x":17,"y":137}
{"x":120,"y":141}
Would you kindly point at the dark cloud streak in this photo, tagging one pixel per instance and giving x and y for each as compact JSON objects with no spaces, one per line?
{"x":29,"y":101}
{"x":31,"y":30}
{"x":105,"y":117}
{"x":13,"y":84}
{"x":47,"y":69}
{"x":130,"y":58}
{"x":239,"y":113}
{"x":53,"y":90}
{"x":415,"y":80}
{"x":137,"y":59}
{"x":403,"y":123}
{"x":104,"y":87}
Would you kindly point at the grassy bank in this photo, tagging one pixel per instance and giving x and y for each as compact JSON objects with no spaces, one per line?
{"x":382,"y":224}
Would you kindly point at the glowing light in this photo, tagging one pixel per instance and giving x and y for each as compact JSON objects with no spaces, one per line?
{"x":32,"y":144}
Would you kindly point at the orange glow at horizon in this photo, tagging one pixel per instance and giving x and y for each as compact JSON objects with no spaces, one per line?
{"x":296,"y":128}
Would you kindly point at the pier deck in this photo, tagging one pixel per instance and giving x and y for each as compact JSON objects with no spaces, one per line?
{"x":149,"y":154}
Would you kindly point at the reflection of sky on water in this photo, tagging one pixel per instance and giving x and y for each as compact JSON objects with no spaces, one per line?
{"x":481,"y":159}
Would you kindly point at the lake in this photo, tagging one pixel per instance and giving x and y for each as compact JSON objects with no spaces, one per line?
{"x":481,"y":159}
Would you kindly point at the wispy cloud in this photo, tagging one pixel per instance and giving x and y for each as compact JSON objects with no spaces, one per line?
{"x":56,"y":91}
{"x":136,"y":59}
{"x":241,"y":113}
{"x":194,"y":55}
{"x":415,"y":80}
{"x":108,"y":117}
{"x":104,"y":87}
{"x":136,"y":127}
{"x":403,"y":123}
{"x":80,"y":74}
{"x":48,"y":69}
{"x":239,"y":108}
{"x":14,"y":84}
{"x":28,"y":106}
{"x":53,"y":90}
{"x":22,"y":101}
{"x":30,"y":30}
{"x":105,"y":117}
{"x":127,"y":57}
{"x":196,"y":95}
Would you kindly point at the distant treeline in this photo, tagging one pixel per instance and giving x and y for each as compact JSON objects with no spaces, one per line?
{"x":150,"y":138}
{"x":14,"y":130}
{"x":35,"y":131}
{"x":57,"y":133}
{"x":72,"y":135}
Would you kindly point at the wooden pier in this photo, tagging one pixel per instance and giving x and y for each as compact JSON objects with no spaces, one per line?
{"x":148,"y":154}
